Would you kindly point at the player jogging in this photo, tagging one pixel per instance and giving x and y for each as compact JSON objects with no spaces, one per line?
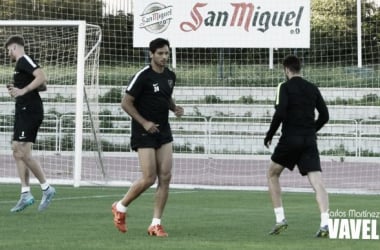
{"x":148,"y":101}
{"x":296,"y":102}
{"x":29,"y":79}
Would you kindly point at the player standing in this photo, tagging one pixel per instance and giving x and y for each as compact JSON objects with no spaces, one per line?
{"x":296,"y":102}
{"x":29,"y":79}
{"x":148,"y":100}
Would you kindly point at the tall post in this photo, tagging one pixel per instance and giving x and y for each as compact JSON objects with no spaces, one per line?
{"x":359,"y":28}
{"x":79,"y":103}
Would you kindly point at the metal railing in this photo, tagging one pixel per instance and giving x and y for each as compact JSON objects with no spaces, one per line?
{"x":242,"y":135}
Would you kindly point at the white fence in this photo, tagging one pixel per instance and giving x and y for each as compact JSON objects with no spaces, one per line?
{"x":213,"y":135}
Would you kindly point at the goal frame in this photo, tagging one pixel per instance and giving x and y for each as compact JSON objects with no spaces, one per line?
{"x":80,"y":76}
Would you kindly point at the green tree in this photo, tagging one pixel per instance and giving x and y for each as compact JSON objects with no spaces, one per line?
{"x":89,"y":10}
{"x":334,"y":29}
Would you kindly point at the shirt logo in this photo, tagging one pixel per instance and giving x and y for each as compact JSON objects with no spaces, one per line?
{"x":22,"y":136}
{"x":156,"y":88}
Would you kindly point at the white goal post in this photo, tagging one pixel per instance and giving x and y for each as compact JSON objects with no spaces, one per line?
{"x":85,"y":49}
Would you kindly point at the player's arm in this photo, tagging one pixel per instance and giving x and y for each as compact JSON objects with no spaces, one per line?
{"x":323,"y":112}
{"x":279,"y":114}
{"x":178,"y":110}
{"x":127,"y":104}
{"x":39,"y":81}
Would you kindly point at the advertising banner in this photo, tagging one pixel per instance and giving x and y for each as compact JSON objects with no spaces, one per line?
{"x":223,"y":23}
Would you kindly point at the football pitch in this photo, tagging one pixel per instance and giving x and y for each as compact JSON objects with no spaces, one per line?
{"x":81,"y":218}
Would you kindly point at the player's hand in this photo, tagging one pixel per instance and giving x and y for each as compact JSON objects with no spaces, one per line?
{"x":9,"y":86}
{"x":151,"y":127}
{"x":15,"y":92}
{"x":178,"y":111}
{"x":267,"y":141}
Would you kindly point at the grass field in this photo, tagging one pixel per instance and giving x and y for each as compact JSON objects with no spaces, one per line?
{"x":80,"y":218}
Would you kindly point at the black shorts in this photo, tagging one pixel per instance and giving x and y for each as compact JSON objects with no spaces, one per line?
{"x":26,"y":125}
{"x":142,"y":139}
{"x":298,"y":150}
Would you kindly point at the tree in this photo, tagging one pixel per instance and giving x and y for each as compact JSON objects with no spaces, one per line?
{"x":334,"y":29}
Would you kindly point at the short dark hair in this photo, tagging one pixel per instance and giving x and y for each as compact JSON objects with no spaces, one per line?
{"x":18,"y":39}
{"x":293,"y":63}
{"x":158,"y":43}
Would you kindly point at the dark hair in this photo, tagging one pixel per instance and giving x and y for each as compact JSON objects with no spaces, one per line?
{"x":293,"y":63}
{"x":18,"y":39}
{"x":158,"y":43}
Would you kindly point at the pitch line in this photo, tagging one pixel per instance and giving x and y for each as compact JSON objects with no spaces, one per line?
{"x":99,"y":196}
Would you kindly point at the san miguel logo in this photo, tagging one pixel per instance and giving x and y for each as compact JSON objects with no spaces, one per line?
{"x":156,"y":18}
{"x":245,"y":15}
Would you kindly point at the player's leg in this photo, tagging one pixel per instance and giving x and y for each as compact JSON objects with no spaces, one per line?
{"x":284,"y":156}
{"x":26,"y":197}
{"x":310,"y":165}
{"x":23,"y":152}
{"x":164,"y":157}
{"x":164,"y":163}
{"x":26,"y":129}
{"x":274,"y":189}
{"x":148,"y":163}
{"x":322,"y":198}
{"x":22,"y":169}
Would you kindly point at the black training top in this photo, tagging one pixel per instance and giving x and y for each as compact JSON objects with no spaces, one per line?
{"x":152,"y":92}
{"x":22,"y":76}
{"x":296,"y":102}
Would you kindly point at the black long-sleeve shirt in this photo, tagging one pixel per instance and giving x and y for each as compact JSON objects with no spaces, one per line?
{"x":296,"y":102}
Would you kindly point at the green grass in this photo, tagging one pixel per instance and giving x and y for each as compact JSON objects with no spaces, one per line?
{"x":80,"y":218}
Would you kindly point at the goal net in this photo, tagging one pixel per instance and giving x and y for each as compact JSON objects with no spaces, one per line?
{"x":228,"y":95}
{"x":68,"y":143}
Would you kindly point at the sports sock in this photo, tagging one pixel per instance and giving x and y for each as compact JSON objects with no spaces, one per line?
{"x":280,"y":214}
{"x":121,"y":208}
{"x":155,"y":221}
{"x":325,"y":219}
{"x":25,"y":189}
{"x":44,"y":186}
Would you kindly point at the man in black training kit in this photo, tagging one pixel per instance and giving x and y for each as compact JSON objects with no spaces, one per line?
{"x":148,"y":100}
{"x":29,"y":79}
{"x":296,"y":102}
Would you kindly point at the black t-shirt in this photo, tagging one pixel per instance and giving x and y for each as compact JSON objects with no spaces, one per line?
{"x":23,"y":75}
{"x":296,"y":102}
{"x":152,"y":92}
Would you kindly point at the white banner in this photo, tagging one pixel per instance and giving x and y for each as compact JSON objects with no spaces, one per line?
{"x":223,"y":23}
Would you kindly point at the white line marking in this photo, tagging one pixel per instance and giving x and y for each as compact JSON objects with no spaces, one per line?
{"x":99,"y":196}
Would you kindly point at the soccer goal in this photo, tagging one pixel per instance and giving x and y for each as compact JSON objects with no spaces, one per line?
{"x":68,"y":52}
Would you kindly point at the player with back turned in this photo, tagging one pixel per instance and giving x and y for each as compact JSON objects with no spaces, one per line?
{"x":296,"y":102}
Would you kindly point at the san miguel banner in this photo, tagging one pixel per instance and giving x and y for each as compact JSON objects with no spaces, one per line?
{"x":223,"y":23}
